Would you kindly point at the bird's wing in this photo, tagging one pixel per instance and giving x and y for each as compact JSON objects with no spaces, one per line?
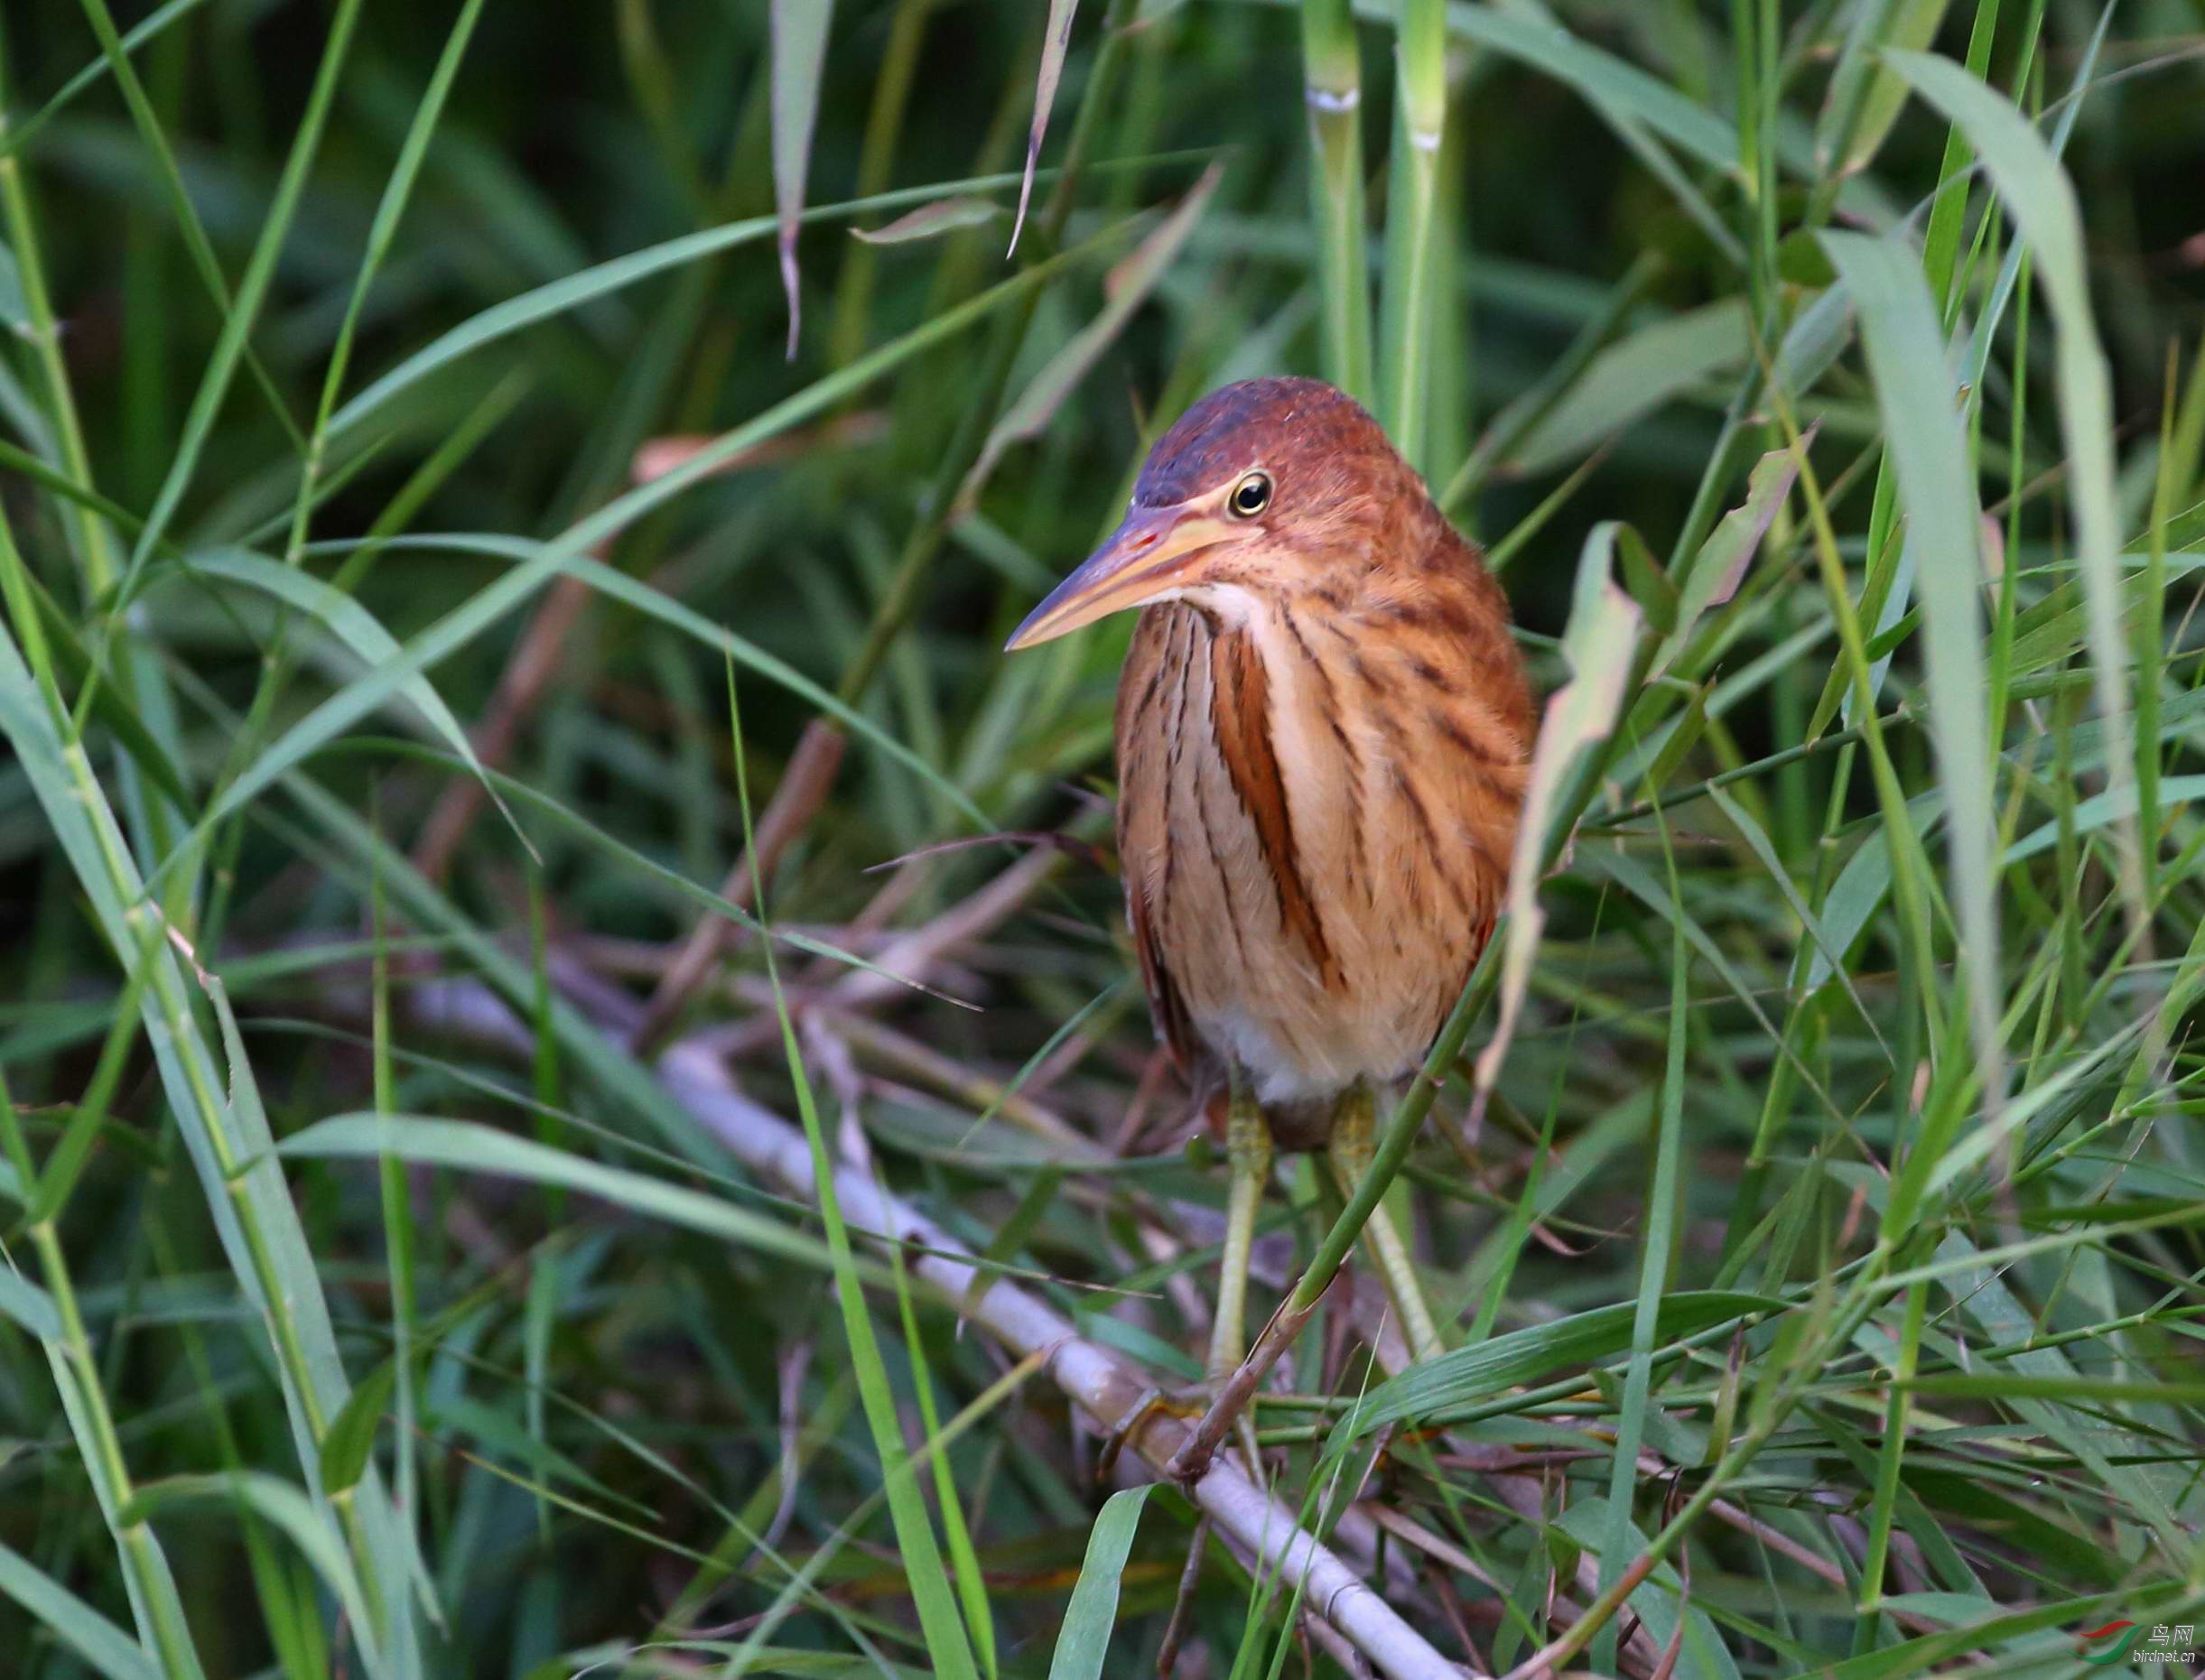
{"x":1164,"y":1002}
{"x":1146,"y":688}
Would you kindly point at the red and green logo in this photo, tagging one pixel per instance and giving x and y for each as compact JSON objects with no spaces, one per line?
{"x":2110,"y":1644}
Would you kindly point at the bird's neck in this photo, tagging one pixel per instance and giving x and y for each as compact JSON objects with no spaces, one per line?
{"x":1382,"y":658}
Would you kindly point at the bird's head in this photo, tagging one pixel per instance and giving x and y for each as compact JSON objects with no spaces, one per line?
{"x":1266,"y":487}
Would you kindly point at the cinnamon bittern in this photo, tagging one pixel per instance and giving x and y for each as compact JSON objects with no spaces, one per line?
{"x":1324,"y":730}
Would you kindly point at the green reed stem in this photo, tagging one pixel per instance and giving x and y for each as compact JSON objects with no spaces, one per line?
{"x":154,"y":1600}
{"x":1412,"y":198}
{"x":1332,"y":85}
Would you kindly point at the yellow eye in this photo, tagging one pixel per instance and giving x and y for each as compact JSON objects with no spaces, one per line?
{"x":1249,"y":496}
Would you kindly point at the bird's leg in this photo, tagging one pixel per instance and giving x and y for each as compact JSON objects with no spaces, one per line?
{"x":1352,"y":1148}
{"x":1248,"y":1156}
{"x":1247,"y":1153}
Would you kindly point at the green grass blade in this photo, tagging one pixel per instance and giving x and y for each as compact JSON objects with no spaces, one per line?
{"x":1657,"y":1250}
{"x":178,"y":195}
{"x":1055,"y":40}
{"x":575,"y":292}
{"x":1462,"y":1377}
{"x":282,"y":1507}
{"x":1918,"y":401}
{"x":467,"y":1146}
{"x":1028,"y":415}
{"x":17,"y":136}
{"x":2038,"y":195}
{"x":1083,"y":1641}
{"x":799,"y":31}
{"x":347,"y":620}
{"x":221,"y":1120}
{"x":964,"y":1561}
{"x":91,"y":1636}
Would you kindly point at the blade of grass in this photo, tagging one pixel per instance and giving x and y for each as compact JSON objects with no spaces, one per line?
{"x":964,"y":1562}
{"x":1461,"y":1377}
{"x":1083,"y":1641}
{"x":186,"y":215}
{"x":283,"y":1507}
{"x":56,"y":1319}
{"x":83,"y":1629}
{"x":390,"y":211}
{"x":15,"y":136}
{"x":253,"y":1214}
{"x":1055,"y":39}
{"x":469,"y":1146}
{"x":346,"y":620}
{"x":1919,"y":400}
{"x":572,"y":291}
{"x":1127,"y":287}
{"x":1657,"y":1251}
{"x":1865,"y":97}
{"x":2038,"y":195}
{"x":799,"y":31}
{"x":1602,"y":630}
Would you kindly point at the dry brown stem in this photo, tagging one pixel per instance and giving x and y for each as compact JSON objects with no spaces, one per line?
{"x":802,"y":790}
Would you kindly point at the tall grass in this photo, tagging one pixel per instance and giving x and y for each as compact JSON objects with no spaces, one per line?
{"x":401,"y":458}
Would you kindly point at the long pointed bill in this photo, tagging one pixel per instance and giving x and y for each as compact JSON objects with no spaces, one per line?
{"x":1151,"y":553}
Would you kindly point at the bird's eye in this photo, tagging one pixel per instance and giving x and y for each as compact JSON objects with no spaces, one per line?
{"x":1249,"y":496}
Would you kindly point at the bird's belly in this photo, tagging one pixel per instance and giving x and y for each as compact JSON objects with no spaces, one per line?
{"x":1259,"y":998}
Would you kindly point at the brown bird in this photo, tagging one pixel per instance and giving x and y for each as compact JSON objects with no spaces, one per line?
{"x":1324,"y":730}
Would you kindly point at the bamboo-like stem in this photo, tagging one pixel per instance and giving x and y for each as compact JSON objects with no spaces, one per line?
{"x":1090,"y":1376}
{"x":158,"y":1611}
{"x":1412,"y":197}
{"x":1332,"y":78}
{"x":152,"y":1589}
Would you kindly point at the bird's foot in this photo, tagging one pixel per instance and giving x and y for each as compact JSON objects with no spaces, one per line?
{"x":1150,"y":1401}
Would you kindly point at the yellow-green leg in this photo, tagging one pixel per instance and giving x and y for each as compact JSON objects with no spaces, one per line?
{"x":1354,"y":1122}
{"x":1247,"y":1153}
